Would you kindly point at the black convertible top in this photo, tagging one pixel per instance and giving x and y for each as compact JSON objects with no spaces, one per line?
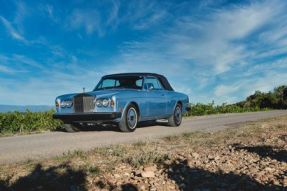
{"x":161,"y":78}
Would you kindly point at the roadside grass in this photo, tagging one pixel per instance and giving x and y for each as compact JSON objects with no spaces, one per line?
{"x":84,"y":167}
{"x":199,"y":109}
{"x":27,"y":122}
{"x":144,"y":158}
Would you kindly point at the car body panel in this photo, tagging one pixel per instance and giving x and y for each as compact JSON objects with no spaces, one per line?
{"x":152,"y":104}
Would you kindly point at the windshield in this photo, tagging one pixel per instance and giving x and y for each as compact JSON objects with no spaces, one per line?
{"x":130,"y":82}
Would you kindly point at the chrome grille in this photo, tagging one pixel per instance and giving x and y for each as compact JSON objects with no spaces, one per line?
{"x":83,"y":103}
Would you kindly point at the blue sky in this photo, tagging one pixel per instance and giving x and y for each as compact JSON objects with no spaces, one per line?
{"x":212,"y":50}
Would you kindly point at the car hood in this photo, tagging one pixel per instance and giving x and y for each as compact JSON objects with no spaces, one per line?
{"x":102,"y":93}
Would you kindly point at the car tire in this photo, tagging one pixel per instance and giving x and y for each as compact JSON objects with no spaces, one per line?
{"x":70,"y":128}
{"x":129,"y":120}
{"x":176,"y":118}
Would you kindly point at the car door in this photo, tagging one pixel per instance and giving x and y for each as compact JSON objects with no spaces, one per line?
{"x":156,"y":98}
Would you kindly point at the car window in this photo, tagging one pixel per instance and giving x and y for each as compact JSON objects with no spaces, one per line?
{"x":130,"y":82}
{"x":109,"y":83}
{"x":152,"y":83}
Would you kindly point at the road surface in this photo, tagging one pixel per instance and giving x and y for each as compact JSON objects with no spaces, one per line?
{"x":37,"y":146}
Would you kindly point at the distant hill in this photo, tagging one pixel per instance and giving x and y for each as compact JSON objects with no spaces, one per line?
{"x":22,"y":108}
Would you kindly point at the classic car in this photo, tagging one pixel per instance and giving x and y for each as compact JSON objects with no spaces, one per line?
{"x":125,"y":100}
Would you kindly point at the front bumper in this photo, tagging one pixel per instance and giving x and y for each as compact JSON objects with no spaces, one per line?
{"x":78,"y":117}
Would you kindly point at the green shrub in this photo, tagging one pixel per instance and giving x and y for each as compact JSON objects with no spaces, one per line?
{"x":210,"y":108}
{"x":20,"y":122}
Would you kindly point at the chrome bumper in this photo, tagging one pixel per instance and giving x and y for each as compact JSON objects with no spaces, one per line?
{"x":78,"y":117}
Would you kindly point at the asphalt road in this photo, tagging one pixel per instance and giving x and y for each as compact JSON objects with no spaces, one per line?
{"x":37,"y":146}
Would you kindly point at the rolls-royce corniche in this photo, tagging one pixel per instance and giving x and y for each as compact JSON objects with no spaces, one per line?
{"x":125,"y":100}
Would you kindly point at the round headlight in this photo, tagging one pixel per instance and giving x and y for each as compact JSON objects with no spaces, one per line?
{"x":99,"y":103}
{"x":105,"y":102}
{"x":58,"y":102}
{"x":66,"y":103}
{"x":69,"y":103}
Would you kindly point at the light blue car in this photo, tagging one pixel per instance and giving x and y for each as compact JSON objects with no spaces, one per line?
{"x":124,"y":99}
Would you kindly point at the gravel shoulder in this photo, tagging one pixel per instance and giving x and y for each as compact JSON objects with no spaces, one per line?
{"x":39,"y":146}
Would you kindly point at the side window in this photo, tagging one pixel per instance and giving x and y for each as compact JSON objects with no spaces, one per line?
{"x":152,"y":83}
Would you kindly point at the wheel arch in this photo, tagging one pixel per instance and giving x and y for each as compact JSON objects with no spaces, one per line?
{"x":180,"y":103}
{"x":137,"y":108}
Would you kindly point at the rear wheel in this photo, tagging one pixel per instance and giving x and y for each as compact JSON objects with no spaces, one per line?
{"x":130,"y":119}
{"x":71,"y":128}
{"x":176,"y":118}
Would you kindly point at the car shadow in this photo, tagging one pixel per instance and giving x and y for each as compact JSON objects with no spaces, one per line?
{"x":188,"y":178}
{"x":98,"y":127}
{"x":111,"y":127}
{"x":104,"y":185}
{"x":264,"y":151}
{"x":91,"y":127}
{"x":61,"y":177}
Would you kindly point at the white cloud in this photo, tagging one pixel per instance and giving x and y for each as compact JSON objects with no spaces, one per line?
{"x":138,"y":15}
{"x":223,"y":90}
{"x":50,"y":10}
{"x":27,"y":61}
{"x":88,"y":19}
{"x":5,"y":69}
{"x":114,"y":14}
{"x":151,"y":20}
{"x":17,"y":62}
{"x":215,"y":40}
{"x":11,"y":30}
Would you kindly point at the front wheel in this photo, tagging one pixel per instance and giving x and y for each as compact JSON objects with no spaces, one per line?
{"x":176,"y":118}
{"x":130,"y":119}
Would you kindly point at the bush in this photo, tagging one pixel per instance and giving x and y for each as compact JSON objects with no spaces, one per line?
{"x":207,"y":109}
{"x":19,"y":122}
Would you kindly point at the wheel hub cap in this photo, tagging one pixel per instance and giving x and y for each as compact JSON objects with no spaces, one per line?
{"x":132,"y":118}
{"x":178,"y":115}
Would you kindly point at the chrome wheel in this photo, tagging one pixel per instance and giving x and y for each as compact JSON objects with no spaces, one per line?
{"x":177,"y":115}
{"x":132,"y":118}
